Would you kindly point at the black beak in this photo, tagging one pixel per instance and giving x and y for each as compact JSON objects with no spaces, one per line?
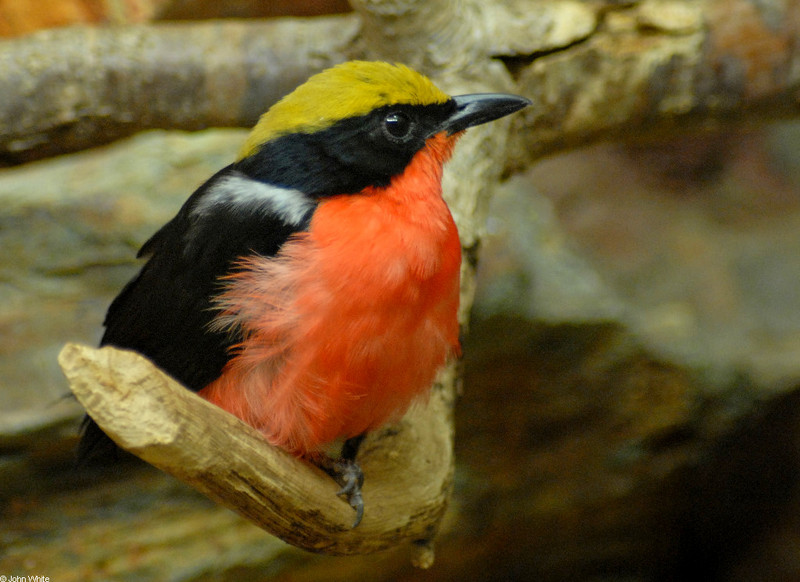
{"x":478,"y":108}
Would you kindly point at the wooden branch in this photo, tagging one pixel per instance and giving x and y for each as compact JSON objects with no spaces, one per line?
{"x":408,"y":467}
{"x":69,"y":89}
{"x":594,"y":70}
{"x":633,"y":69}
{"x":428,"y":35}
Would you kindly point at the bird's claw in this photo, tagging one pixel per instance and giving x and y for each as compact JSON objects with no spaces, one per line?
{"x":349,"y":475}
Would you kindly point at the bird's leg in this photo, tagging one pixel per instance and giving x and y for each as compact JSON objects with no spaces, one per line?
{"x":347,"y":473}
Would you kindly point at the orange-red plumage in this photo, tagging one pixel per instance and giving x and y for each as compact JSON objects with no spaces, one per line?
{"x":350,"y":322}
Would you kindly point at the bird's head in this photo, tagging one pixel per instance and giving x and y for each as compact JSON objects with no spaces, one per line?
{"x":357,"y":125}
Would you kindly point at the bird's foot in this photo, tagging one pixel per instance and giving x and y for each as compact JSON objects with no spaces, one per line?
{"x":349,"y":475}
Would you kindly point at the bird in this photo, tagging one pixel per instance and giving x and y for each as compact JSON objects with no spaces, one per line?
{"x":311,"y":287}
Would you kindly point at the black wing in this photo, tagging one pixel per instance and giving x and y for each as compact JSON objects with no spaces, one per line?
{"x":165,"y":311}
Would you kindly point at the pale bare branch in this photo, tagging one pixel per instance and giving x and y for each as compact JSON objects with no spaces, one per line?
{"x":408,"y":466}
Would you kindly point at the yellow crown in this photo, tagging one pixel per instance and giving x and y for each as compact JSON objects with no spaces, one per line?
{"x":348,"y":90}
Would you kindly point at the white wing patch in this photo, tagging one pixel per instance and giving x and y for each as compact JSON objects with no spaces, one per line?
{"x":238,"y":191}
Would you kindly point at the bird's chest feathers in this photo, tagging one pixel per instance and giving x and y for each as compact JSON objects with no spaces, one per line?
{"x":372,"y":243}
{"x":350,"y":321}
{"x":384,"y":255}
{"x":396,"y":245}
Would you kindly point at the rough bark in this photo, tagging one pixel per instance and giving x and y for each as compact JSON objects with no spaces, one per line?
{"x":594,"y":70}
{"x":69,"y":89}
{"x":657,"y":65}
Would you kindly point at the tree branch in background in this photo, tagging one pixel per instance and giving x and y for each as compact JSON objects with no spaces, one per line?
{"x":70,"y":89}
{"x":593,"y":70}
{"x":653,"y":66}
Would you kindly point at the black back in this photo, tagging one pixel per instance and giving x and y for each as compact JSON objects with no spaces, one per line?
{"x":165,"y":311}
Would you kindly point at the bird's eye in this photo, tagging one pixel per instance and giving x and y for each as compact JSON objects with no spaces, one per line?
{"x":397,"y":126}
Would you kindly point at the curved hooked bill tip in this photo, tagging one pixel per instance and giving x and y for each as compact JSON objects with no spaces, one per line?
{"x":478,"y":108}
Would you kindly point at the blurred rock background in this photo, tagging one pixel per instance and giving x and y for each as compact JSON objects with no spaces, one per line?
{"x":630,"y":408}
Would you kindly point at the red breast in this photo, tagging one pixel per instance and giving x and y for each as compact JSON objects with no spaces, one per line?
{"x":350,"y":322}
